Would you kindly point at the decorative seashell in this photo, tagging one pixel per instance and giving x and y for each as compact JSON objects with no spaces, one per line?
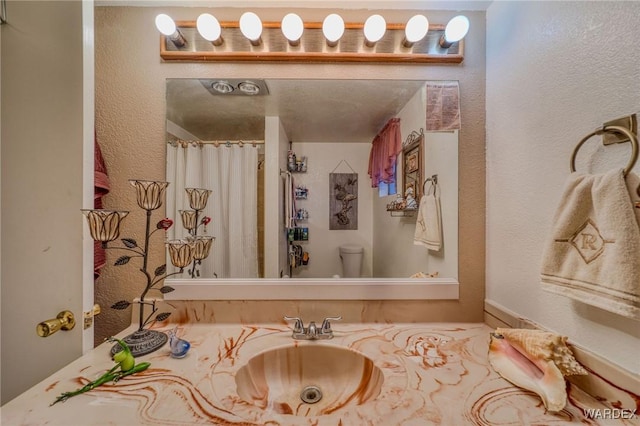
{"x":535,"y":360}
{"x":545,"y":345}
{"x":424,"y":275}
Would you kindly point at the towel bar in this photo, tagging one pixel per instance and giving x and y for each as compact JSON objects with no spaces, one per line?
{"x":610,"y":129}
{"x":433,"y":179}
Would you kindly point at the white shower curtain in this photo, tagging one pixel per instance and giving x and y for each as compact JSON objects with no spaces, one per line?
{"x":231,"y":173}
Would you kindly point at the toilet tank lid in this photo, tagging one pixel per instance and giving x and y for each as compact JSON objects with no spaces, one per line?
{"x":351,"y":249}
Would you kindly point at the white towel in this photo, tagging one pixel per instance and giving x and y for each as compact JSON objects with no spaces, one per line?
{"x":593,"y":254}
{"x":289,"y":201}
{"x":428,"y":231}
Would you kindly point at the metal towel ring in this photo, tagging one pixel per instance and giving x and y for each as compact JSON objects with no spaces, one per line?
{"x":615,"y":129}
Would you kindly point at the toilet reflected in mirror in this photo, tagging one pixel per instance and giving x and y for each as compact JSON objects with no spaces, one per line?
{"x":351,"y":258}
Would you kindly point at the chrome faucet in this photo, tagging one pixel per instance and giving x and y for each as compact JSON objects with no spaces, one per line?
{"x":312,"y":332}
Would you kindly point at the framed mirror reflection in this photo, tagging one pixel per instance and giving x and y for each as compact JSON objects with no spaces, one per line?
{"x":238,"y":146}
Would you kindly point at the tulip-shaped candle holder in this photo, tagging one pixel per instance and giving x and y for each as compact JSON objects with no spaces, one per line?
{"x":191,"y":221}
{"x":104,"y":226}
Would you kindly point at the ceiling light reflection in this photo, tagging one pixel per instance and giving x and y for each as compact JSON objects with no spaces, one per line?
{"x":249,"y":88}
{"x":222,"y":87}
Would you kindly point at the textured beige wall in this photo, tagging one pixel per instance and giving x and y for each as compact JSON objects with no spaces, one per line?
{"x":130,"y":111}
{"x":570,"y":69}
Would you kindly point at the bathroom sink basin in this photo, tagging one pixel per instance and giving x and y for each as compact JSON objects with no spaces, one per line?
{"x":308,"y":380}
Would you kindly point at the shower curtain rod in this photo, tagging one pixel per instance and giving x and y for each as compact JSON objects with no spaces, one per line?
{"x":185,"y":143}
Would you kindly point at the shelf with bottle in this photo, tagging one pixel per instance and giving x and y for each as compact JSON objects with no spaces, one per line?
{"x":301,"y":192}
{"x":296,"y":164}
{"x":297,"y":257}
{"x":302,"y":215}
{"x":402,"y":212}
{"x":298,"y":234}
{"x":403,"y":206}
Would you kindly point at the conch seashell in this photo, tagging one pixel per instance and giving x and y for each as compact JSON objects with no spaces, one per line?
{"x":535,"y":360}
{"x":424,"y":275}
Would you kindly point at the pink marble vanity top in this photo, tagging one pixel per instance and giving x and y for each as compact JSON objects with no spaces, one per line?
{"x":431,"y":374}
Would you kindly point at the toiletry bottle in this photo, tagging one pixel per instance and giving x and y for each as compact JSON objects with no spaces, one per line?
{"x":291,"y":161}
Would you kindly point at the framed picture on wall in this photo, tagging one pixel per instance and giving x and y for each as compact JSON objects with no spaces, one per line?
{"x":343,"y":201}
{"x":412,"y":173}
{"x":412,"y":162}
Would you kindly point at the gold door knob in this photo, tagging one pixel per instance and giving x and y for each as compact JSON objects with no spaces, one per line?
{"x":64,"y":321}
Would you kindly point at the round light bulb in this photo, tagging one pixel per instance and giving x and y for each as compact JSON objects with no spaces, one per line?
{"x":374,"y":28}
{"x":456,"y":29}
{"x":208,"y":27}
{"x":251,"y":26}
{"x":416,"y":28}
{"x":292,"y":27}
{"x":333,"y":27}
{"x":165,"y":24}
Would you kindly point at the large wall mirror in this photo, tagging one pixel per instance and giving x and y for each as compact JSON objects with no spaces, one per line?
{"x":252,"y":128}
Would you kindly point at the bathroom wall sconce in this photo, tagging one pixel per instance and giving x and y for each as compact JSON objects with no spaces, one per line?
{"x":332,"y":40}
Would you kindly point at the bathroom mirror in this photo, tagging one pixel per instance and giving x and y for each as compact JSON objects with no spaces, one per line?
{"x":328,"y":125}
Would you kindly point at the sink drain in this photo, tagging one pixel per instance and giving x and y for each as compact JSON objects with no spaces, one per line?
{"x":311,"y":394}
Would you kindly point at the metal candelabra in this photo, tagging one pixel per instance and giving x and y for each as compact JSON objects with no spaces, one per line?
{"x":104,"y":226}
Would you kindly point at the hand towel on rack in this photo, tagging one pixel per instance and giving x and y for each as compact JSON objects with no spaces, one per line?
{"x":428,"y":231}
{"x":593,"y":254}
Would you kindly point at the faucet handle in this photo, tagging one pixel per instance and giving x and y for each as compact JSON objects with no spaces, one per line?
{"x":326,"y":324}
{"x":298,"y":326}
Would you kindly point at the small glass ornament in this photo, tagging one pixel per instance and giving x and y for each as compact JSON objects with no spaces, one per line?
{"x":179,"y":347}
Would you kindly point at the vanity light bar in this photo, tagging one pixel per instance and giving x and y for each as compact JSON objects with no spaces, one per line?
{"x":332,"y":40}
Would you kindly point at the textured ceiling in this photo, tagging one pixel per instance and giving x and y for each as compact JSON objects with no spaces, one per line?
{"x":310,"y":110}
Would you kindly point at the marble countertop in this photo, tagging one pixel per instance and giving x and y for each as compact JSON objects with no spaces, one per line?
{"x":432,"y":374}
